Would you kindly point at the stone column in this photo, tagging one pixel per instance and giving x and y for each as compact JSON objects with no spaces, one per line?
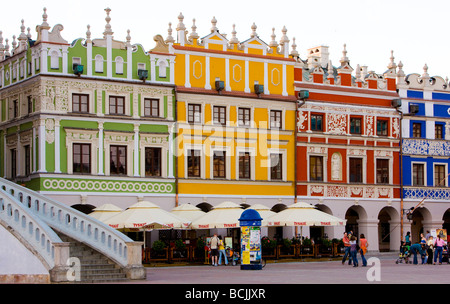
{"x":369,"y":227}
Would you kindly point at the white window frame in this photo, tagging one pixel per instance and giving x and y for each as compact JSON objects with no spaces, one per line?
{"x":424,"y":173}
{"x":446,"y":173}
{"x":283,"y":153}
{"x":252,"y":161}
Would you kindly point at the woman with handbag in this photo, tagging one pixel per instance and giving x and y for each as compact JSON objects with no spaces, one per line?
{"x":363,"y":249}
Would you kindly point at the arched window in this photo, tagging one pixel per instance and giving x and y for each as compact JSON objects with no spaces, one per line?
{"x":99,"y":64}
{"x":119,"y":65}
{"x":54,"y":60}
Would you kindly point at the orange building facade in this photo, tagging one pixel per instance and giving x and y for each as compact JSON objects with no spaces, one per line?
{"x":347,"y":146}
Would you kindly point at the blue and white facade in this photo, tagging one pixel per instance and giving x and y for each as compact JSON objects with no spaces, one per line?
{"x":425,"y":150}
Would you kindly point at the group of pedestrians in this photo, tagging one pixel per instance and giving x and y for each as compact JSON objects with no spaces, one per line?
{"x":217,"y":248}
{"x":353,"y":247}
{"x":430,"y":249}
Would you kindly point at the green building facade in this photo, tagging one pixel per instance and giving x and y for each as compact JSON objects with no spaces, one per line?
{"x":90,"y":120}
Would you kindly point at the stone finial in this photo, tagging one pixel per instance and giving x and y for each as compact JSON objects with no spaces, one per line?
{"x":344,"y":58}
{"x":358,"y":72}
{"x":108,"y":31}
{"x":28,"y":33}
{"x":254,"y":27}
{"x":180,"y":26}
{"x":2,"y":47}
{"x":22,"y":38}
{"x":214,"y":27}
{"x":425,"y":71}
{"x":284,"y":37}
{"x":128,"y":38}
{"x":234,"y":39}
{"x":194,"y":34}
{"x":7,"y":53}
{"x":170,"y":38}
{"x":400,"y":69}
{"x":22,"y":30}
{"x":44,"y":24}
{"x":294,"y":52}
{"x":401,"y":74}
{"x":273,"y":42}
{"x":330,"y":70}
{"x":14,"y":43}
{"x":425,"y":76}
{"x":88,"y":34}
{"x":392,"y":64}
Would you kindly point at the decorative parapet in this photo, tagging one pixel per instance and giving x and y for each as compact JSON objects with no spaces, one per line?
{"x":426,"y":147}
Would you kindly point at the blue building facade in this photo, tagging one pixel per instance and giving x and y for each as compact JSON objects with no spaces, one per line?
{"x":425,"y":150}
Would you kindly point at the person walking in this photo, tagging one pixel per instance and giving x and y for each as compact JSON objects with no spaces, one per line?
{"x":363,"y":249}
{"x":438,"y":245}
{"x":214,"y":245}
{"x":222,"y":252}
{"x":346,"y":242}
{"x":353,"y":250}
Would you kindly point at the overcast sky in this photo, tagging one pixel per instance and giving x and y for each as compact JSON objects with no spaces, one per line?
{"x":417,"y":31}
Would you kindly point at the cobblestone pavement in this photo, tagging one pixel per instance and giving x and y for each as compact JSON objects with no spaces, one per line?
{"x":315,"y":272}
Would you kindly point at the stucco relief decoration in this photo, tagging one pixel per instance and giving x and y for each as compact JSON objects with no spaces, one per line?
{"x":302,"y":120}
{"x":336,"y":166}
{"x":48,"y":98}
{"x":438,"y":148}
{"x":316,"y":149}
{"x":370,"y":130}
{"x":424,"y":147}
{"x":396,"y":127}
{"x":50,"y":130}
{"x":357,"y":191}
{"x":369,"y":192}
{"x":317,"y":189}
{"x":337,"y":123}
{"x":337,"y":191}
{"x":384,"y":191}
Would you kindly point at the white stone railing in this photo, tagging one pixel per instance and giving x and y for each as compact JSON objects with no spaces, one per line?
{"x":31,"y":231}
{"x":81,"y":227}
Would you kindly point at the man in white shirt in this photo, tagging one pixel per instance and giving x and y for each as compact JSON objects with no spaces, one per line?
{"x":214,"y":245}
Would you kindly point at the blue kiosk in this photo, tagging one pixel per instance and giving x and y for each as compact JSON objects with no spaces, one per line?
{"x":250,"y":222}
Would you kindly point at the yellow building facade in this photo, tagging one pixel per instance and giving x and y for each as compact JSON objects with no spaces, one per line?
{"x":235,"y":107}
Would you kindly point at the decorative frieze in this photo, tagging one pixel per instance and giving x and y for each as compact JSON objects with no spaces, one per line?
{"x":351,"y":191}
{"x":426,"y":147}
{"x":428,"y":193}
{"x":102,"y":185}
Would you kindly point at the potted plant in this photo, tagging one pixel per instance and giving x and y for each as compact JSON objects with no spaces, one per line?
{"x":306,"y":247}
{"x":268,"y":246}
{"x":158,"y":247}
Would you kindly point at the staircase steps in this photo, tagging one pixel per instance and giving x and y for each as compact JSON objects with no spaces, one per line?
{"x":95,"y":267}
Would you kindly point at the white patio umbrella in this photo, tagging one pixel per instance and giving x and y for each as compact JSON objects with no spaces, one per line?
{"x":224,"y":215}
{"x":188,"y":211}
{"x":264,"y":211}
{"x":146,"y":215}
{"x":304,"y":214}
{"x":104,"y":212}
